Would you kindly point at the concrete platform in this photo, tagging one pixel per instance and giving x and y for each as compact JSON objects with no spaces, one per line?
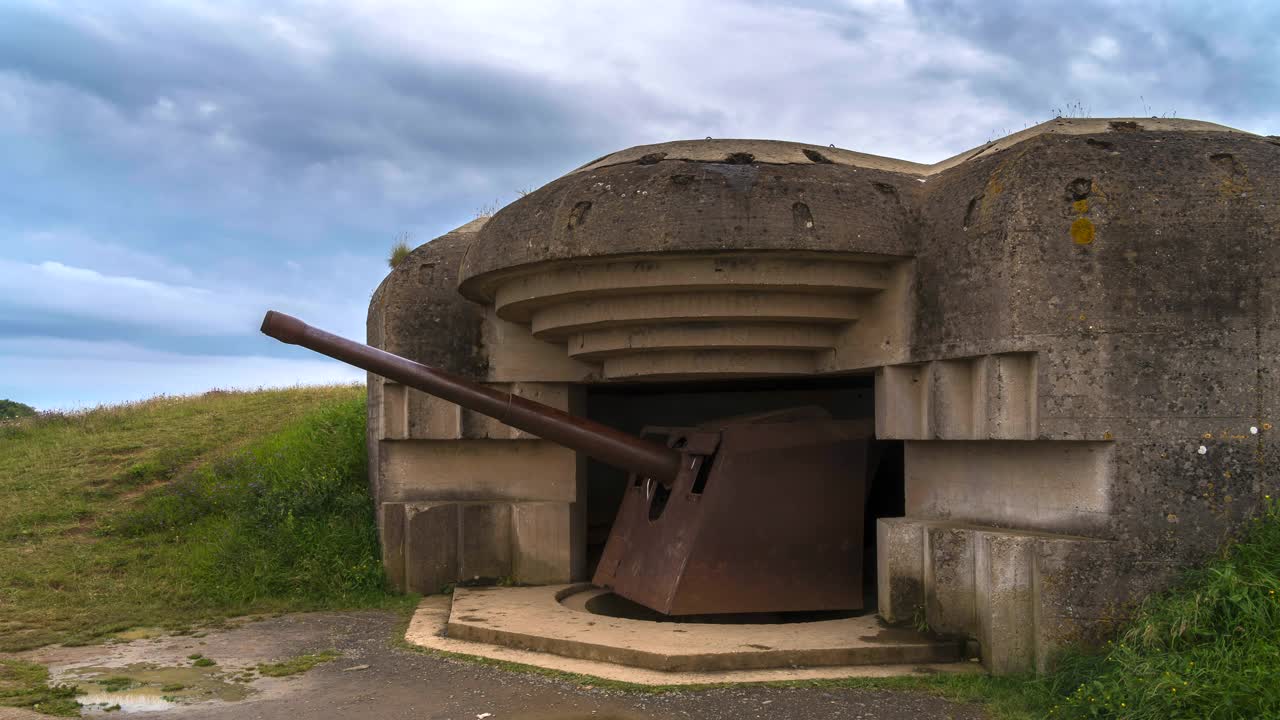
{"x":540,"y":626}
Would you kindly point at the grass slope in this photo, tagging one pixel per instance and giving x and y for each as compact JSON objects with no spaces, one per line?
{"x":176,"y":511}
{"x":1208,"y":649}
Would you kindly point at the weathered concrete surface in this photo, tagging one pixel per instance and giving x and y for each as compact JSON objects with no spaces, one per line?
{"x":542,"y":619}
{"x":429,"y":629}
{"x":417,"y":313}
{"x":433,"y":544}
{"x":1075,"y":329}
{"x":900,"y":574}
{"x":1138,"y":264}
{"x":431,"y":558}
{"x":1024,"y":595}
{"x":376,"y":678}
{"x":950,"y":595}
{"x":1041,"y":485}
{"x":424,"y":451}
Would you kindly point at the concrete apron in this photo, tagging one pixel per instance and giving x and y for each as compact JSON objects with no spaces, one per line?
{"x":537,"y":626}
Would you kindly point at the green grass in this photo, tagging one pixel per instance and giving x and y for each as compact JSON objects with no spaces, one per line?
{"x":26,"y":685}
{"x":10,"y":409}
{"x":175,"y":512}
{"x":399,"y":251}
{"x":1208,"y":649}
{"x":115,"y":683}
{"x":300,"y":664}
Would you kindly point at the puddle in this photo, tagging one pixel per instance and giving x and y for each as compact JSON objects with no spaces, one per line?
{"x":129,"y":701}
{"x":144,"y":687}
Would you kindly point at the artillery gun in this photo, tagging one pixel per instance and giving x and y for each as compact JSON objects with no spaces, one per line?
{"x":752,"y":514}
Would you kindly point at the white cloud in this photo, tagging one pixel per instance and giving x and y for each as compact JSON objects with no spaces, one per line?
{"x":178,"y":310}
{"x":54,"y":374}
{"x":301,"y":40}
{"x":1105,"y":47}
{"x":74,"y":246}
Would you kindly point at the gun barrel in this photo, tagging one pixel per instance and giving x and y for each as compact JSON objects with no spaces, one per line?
{"x":601,"y":442}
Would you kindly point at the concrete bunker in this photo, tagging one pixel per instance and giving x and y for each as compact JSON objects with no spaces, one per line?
{"x":1067,"y":336}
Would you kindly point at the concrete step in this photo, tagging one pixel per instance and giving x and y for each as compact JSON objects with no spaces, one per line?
{"x":430,"y":545}
{"x":556,"y":620}
{"x":1019,"y":593}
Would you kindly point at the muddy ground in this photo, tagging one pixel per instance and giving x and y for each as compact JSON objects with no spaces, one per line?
{"x":377,"y":678}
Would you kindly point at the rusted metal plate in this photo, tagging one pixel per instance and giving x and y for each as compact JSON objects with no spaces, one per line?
{"x":770,"y":521}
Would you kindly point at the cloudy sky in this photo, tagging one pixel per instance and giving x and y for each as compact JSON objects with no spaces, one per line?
{"x":168,"y":171}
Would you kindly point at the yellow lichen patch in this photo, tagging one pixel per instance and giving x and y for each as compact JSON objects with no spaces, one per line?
{"x":1082,"y":231}
{"x":1081,"y":206}
{"x":1235,"y":185}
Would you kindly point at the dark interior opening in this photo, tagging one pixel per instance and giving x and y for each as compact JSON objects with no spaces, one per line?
{"x":630,"y":407}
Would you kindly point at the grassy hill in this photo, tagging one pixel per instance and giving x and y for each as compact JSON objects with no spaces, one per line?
{"x":177,"y":511}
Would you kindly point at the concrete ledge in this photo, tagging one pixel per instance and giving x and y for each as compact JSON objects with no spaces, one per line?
{"x":429,"y":623}
{"x":429,"y":545}
{"x":533,"y":618}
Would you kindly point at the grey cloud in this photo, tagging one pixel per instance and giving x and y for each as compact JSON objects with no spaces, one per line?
{"x":271,"y":159}
{"x":1193,"y":58}
{"x":356,"y":101}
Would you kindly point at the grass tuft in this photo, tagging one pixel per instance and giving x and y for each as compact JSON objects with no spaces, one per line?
{"x":300,"y":664}
{"x":399,"y":251}
{"x":26,"y":685}
{"x":115,"y":683}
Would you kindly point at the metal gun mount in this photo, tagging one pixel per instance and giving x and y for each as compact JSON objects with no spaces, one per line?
{"x":761,"y":513}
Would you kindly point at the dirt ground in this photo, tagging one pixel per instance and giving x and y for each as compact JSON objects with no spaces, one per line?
{"x":375,"y":678}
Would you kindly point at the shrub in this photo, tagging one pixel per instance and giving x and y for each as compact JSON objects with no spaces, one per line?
{"x":10,"y":409}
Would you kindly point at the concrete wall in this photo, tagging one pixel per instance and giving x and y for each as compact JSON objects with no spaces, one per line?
{"x":461,"y":497}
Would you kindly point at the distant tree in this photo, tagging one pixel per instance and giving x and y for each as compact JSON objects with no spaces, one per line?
{"x":10,"y":409}
{"x":400,"y":250}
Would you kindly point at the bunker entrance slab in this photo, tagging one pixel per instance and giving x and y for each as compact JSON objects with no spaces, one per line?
{"x":555,"y":620}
